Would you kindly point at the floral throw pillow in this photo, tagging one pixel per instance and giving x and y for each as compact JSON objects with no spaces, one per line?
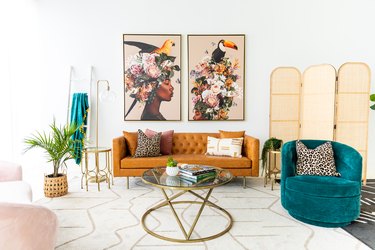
{"x":147,"y":146}
{"x":318,"y":161}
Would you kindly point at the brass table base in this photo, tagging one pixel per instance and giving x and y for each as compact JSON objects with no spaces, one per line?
{"x":187,"y":235}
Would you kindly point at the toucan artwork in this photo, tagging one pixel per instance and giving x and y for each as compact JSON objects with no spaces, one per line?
{"x":216,"y":78}
{"x":219,"y":52}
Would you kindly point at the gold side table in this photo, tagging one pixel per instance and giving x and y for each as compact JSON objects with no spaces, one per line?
{"x":273,"y":167}
{"x":99,"y":172}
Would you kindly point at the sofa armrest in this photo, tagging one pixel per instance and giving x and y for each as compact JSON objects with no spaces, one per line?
{"x":10,"y":171}
{"x":119,"y":152}
{"x":251,"y":150}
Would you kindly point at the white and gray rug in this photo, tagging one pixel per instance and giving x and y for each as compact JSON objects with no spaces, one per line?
{"x":110,"y":219}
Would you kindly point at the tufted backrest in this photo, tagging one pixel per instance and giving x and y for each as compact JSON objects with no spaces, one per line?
{"x":191,"y":143}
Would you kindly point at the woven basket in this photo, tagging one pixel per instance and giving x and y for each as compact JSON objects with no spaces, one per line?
{"x":55,"y":186}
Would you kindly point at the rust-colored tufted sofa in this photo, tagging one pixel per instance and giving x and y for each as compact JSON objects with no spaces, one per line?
{"x":187,"y":148}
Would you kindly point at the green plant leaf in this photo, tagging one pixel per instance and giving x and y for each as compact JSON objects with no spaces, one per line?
{"x":372,"y":97}
{"x":372,"y":107}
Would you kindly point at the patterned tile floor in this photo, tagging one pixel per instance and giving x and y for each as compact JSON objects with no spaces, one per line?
{"x":110,"y":219}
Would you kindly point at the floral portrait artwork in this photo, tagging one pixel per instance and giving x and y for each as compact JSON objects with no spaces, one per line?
{"x":216,"y":78}
{"x":152,"y":77}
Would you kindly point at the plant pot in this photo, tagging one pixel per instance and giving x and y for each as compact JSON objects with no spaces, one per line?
{"x":55,"y":186}
{"x":172,"y":171}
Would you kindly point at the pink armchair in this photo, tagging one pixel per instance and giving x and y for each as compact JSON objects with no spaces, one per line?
{"x":22,"y":224}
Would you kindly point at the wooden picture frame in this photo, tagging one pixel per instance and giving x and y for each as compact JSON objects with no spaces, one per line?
{"x":152,"y":85}
{"x":216,"y":65}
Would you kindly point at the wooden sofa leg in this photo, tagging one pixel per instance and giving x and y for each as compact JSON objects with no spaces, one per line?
{"x":244,"y":182}
{"x":127,"y":182}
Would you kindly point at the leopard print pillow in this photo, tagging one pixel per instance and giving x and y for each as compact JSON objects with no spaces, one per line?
{"x":318,"y":161}
{"x":147,"y":146}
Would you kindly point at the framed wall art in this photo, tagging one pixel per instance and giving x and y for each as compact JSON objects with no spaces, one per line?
{"x":216,"y":77}
{"x":152,"y":89}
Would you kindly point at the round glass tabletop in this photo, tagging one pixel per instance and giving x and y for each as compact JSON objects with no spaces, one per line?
{"x":158,"y":177}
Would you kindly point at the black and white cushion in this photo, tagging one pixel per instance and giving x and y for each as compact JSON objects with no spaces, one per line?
{"x":147,"y":146}
{"x":318,"y":161}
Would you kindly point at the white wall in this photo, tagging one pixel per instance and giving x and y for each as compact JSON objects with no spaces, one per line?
{"x":278,"y":33}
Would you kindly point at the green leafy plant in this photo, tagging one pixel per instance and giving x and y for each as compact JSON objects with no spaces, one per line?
{"x":270,"y":145}
{"x":372,"y":98}
{"x":58,"y":144}
{"x":171,"y":162}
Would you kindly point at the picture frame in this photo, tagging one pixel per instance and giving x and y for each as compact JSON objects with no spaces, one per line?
{"x":152,"y":73}
{"x":216,"y":65}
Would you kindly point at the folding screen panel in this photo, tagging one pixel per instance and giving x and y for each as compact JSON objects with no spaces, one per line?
{"x":284,"y":103}
{"x":353,"y":107}
{"x":318,"y":102}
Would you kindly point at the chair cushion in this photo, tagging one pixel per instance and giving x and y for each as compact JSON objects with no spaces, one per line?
{"x":323,"y":186}
{"x":317,"y":161}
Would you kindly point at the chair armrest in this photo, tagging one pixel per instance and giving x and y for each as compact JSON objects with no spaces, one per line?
{"x":288,"y":166}
{"x":348,"y":161}
{"x":251,"y":150}
{"x":25,"y":226}
{"x":119,"y":152}
{"x":10,"y":171}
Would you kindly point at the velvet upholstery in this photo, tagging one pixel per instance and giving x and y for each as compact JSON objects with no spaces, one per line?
{"x":325,"y":201}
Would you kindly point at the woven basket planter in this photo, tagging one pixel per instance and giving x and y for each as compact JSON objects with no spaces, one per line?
{"x":55,"y":186}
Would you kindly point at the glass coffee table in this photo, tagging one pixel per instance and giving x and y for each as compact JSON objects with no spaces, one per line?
{"x":158,"y":177}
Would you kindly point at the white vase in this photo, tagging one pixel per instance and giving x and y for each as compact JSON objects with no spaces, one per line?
{"x":172,"y":171}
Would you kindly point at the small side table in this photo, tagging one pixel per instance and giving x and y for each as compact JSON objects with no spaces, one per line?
{"x":273,"y":167}
{"x":99,"y":171}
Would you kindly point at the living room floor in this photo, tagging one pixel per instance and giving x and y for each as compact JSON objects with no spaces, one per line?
{"x":111,"y":219}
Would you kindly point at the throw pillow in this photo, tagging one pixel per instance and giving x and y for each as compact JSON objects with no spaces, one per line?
{"x":231,"y":134}
{"x":224,"y":147}
{"x":131,"y":141}
{"x":147,"y":147}
{"x":165,"y":141}
{"x":318,"y":161}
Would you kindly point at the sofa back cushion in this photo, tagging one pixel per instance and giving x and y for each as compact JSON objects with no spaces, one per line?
{"x":191,"y":143}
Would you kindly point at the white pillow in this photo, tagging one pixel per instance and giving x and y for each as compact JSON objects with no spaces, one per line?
{"x":224,"y":147}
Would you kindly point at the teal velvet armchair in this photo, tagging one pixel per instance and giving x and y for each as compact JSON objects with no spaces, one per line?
{"x":325,"y":201}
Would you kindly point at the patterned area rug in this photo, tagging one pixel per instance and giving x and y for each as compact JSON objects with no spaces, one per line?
{"x":110,"y":219}
{"x":364,"y":227}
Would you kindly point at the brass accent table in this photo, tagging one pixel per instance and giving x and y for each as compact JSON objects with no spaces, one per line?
{"x":99,"y":173}
{"x":158,"y":177}
{"x":272,"y":168}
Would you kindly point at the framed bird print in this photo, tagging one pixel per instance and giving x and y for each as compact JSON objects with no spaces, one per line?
{"x":216,"y":77}
{"x":152,"y":89}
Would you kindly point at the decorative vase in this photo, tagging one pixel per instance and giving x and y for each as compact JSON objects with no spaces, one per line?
{"x":55,"y":186}
{"x":172,"y":171}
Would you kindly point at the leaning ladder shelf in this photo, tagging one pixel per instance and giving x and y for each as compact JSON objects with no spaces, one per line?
{"x":81,"y":85}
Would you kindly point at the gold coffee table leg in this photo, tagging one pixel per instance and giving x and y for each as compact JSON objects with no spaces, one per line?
{"x":168,"y":201}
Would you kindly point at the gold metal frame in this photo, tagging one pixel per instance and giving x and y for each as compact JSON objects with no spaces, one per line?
{"x":187,"y":235}
{"x":99,"y":174}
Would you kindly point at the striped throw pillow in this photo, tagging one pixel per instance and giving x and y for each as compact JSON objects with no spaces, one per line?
{"x":224,"y":147}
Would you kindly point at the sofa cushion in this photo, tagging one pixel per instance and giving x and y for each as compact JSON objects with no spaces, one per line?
{"x":15,"y":192}
{"x":147,"y":147}
{"x":217,"y":161}
{"x":224,"y":147}
{"x":231,"y":134}
{"x":323,"y":186}
{"x":131,"y":141}
{"x":317,"y":161}
{"x":165,"y":141}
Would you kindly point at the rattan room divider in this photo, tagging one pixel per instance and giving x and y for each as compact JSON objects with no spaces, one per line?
{"x":322,"y":104}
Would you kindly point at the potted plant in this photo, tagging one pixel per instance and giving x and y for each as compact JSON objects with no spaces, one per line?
{"x":269,"y":145}
{"x":172,"y":169}
{"x":59,"y":148}
{"x":372,"y":98}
